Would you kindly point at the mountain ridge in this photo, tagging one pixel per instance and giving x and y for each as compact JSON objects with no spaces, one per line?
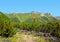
{"x":24,"y":16}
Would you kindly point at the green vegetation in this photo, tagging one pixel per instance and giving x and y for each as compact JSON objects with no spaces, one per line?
{"x":11,"y":24}
{"x":6,"y":26}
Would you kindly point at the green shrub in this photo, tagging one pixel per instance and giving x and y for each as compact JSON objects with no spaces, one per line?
{"x":7,"y":30}
{"x":6,"y":26}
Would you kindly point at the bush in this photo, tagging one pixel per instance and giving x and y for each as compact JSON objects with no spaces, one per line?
{"x":8,"y":32}
{"x":7,"y":29}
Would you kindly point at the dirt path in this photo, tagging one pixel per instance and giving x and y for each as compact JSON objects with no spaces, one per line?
{"x":28,"y":38}
{"x":25,"y":38}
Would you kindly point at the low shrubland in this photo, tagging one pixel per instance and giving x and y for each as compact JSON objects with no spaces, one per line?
{"x":9,"y":28}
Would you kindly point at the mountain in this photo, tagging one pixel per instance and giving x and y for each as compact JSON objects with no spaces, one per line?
{"x":29,"y":17}
{"x":58,"y":18}
{"x":3,"y":17}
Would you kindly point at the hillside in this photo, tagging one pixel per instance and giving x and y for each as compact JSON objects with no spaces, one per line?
{"x":5,"y":29}
{"x":29,"y":27}
{"x":58,"y":18}
{"x":38,"y":16}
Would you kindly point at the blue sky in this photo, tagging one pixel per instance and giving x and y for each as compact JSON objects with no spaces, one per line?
{"x":51,"y":6}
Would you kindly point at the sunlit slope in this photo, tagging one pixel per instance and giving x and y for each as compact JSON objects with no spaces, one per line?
{"x":29,"y":17}
{"x":58,"y":18}
{"x":18,"y":17}
{"x":3,"y":18}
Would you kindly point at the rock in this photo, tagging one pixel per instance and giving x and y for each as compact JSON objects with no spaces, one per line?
{"x":6,"y":41}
